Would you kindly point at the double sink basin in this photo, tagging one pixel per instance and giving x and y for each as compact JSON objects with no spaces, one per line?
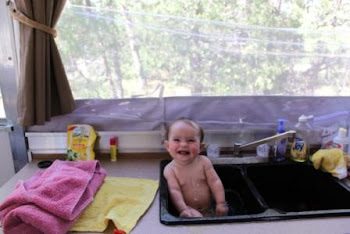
{"x":267,"y":191}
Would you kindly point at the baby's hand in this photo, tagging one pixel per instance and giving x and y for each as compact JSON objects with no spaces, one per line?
{"x":190,"y":212}
{"x":221,"y":209}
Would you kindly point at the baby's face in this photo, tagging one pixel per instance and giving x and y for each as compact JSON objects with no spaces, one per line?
{"x":184,"y":142}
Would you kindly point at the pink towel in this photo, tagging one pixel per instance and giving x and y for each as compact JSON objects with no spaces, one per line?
{"x":51,"y":200}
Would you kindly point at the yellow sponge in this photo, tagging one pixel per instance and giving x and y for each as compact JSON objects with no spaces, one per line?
{"x":332,"y":161}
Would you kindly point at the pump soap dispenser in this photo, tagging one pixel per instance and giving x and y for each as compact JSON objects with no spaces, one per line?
{"x":281,"y":145}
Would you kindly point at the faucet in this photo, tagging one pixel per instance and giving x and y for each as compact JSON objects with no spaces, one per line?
{"x":237,"y":147}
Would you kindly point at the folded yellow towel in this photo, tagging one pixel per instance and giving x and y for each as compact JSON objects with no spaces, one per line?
{"x":122,"y":200}
{"x":332,"y":161}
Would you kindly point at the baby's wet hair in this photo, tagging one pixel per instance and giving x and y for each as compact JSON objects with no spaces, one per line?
{"x":188,"y":121}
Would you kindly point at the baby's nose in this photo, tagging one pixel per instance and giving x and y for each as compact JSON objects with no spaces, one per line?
{"x":183,"y":142}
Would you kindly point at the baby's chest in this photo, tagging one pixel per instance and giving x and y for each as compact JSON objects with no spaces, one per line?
{"x":190,"y":179}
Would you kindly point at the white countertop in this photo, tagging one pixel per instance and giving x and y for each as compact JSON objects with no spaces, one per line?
{"x":141,"y":167}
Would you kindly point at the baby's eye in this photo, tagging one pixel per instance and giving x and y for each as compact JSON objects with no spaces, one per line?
{"x":176,"y":139}
{"x":191,"y":140}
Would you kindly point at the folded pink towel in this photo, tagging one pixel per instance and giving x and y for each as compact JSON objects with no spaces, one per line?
{"x":51,"y":200}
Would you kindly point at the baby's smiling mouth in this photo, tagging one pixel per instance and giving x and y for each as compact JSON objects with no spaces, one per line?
{"x":183,"y":152}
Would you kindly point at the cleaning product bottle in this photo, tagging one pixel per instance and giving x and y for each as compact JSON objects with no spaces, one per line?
{"x":300,"y":149}
{"x":281,"y":145}
{"x":341,"y":141}
{"x":113,"y":146}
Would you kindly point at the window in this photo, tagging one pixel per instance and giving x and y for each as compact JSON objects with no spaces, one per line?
{"x":2,"y":110}
{"x":152,"y":48}
{"x":253,"y":52}
{"x":265,"y":56}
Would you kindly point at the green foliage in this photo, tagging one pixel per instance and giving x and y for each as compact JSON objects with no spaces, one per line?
{"x":114,"y":49}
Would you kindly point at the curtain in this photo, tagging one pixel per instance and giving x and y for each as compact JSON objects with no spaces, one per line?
{"x":43,"y":88}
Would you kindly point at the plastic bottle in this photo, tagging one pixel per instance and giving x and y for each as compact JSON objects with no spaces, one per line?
{"x":300,"y":149}
{"x":341,"y":141}
{"x":113,"y":146}
{"x":281,"y":145}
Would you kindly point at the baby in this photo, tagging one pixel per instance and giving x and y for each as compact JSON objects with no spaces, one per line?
{"x":191,"y":178}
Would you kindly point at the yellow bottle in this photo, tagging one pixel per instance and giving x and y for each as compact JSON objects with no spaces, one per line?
{"x":113,"y":142}
{"x":300,"y":149}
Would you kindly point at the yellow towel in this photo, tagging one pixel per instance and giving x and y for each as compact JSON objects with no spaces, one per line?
{"x":332,"y":161}
{"x":122,"y":200}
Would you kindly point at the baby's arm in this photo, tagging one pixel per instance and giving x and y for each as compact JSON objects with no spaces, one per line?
{"x":216,"y":187}
{"x":176,"y":195}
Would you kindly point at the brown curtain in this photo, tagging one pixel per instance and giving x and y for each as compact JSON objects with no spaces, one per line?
{"x":43,"y":88}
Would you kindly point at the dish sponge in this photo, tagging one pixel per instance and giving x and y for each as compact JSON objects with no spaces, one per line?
{"x":333,"y":161}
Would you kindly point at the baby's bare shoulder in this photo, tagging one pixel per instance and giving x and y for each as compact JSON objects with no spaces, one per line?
{"x":168,"y":169}
{"x":204,"y":159}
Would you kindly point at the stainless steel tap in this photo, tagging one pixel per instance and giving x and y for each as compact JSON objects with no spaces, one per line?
{"x":237,"y":148}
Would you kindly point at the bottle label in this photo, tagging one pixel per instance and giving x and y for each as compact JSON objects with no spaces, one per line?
{"x":343,"y":147}
{"x":299,"y":150}
{"x":281,"y":147}
{"x":338,"y":146}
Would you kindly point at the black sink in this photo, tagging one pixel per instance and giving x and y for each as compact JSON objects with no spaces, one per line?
{"x":268,"y":192}
{"x":298,"y":187}
{"x":239,"y":196}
